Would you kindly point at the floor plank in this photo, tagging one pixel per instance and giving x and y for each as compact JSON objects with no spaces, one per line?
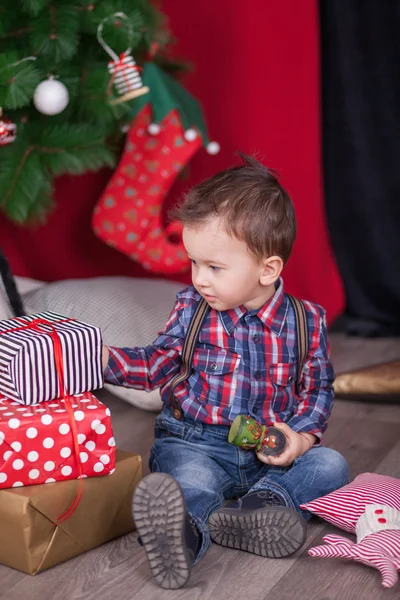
{"x":386,"y":412}
{"x":350,"y":353}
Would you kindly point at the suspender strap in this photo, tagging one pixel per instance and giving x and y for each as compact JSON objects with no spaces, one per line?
{"x":302,"y":336}
{"x":187,"y":354}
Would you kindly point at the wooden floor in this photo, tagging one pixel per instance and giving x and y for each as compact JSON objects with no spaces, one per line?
{"x":366,"y":433}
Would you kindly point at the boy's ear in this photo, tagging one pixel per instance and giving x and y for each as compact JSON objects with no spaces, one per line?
{"x":271,"y":270}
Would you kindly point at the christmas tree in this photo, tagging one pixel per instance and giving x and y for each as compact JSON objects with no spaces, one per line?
{"x":70,"y":88}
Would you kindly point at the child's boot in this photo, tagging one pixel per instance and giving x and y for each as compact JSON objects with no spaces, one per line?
{"x":166,"y":530}
{"x":260,"y":523}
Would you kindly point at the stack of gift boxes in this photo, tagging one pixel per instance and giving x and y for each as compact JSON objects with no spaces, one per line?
{"x":56,"y":437}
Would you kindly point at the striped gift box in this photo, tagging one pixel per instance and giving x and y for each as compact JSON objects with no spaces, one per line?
{"x":28,"y":371}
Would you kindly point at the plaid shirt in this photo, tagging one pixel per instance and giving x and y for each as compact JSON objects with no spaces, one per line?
{"x":244,"y":363}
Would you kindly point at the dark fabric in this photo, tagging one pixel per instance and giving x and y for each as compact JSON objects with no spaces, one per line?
{"x":13,"y":297}
{"x":256,"y":500}
{"x":360,"y":45}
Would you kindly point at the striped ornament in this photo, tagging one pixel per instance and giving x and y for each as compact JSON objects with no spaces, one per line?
{"x":345,"y":506}
{"x":125,"y":74}
{"x":28,"y":372}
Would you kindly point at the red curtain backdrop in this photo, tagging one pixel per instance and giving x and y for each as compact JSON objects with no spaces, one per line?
{"x":257,"y":75}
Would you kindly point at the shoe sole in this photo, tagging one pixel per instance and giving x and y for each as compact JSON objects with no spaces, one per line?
{"x":159,"y":513}
{"x":271,"y":531}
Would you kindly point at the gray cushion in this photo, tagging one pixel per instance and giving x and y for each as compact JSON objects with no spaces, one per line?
{"x":129,"y":312}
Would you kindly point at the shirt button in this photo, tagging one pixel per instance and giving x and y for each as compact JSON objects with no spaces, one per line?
{"x":257,"y":375}
{"x":213,"y":366}
{"x":255,"y":338}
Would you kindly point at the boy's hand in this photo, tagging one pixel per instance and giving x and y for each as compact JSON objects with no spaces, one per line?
{"x":296,"y":445}
{"x":104,"y":357}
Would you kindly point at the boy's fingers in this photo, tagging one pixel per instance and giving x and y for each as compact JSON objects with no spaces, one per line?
{"x":283,"y":460}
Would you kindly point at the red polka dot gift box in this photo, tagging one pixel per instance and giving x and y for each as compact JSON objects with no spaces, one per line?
{"x":37,"y":442}
{"x":46,"y":355}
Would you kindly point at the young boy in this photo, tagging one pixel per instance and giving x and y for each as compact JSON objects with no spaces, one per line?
{"x":238,"y":229}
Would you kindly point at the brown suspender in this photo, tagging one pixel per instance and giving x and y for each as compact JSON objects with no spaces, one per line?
{"x":187,"y":354}
{"x":193,"y":334}
{"x":300,"y":317}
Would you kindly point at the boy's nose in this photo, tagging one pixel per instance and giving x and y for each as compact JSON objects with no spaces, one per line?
{"x":200,"y":279}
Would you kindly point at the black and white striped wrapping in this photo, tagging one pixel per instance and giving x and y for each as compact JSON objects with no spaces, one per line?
{"x":27,"y":364}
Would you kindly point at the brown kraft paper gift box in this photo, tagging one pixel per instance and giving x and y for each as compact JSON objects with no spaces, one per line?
{"x":29,"y":540}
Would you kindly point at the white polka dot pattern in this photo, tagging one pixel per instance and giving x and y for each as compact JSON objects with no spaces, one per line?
{"x":65,"y":452}
{"x":37,"y":444}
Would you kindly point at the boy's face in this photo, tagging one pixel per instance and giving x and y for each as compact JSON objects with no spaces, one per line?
{"x":223,"y":270}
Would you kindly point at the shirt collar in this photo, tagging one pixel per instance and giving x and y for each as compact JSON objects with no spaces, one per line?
{"x":272,"y":313}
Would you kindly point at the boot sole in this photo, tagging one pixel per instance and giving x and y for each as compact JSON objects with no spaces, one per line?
{"x":271,"y":531}
{"x":159,"y":513}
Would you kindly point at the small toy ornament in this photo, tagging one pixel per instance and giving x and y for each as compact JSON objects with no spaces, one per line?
{"x":248,"y":434}
{"x":51,"y":97}
{"x":8,"y":130}
{"x":125,"y":74}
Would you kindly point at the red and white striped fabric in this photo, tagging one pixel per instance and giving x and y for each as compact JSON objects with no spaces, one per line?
{"x":345,"y":506}
{"x":380,"y":550}
{"x":28,"y":366}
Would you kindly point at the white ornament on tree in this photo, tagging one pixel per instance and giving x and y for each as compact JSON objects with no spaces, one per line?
{"x":51,"y":97}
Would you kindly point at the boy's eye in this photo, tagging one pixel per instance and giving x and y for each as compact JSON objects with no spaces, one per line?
{"x":213,"y":268}
{"x":192,"y":261}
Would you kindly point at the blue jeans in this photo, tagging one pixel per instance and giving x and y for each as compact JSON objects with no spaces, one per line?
{"x":210,"y":470}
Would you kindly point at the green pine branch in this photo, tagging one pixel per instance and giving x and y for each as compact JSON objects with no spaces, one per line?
{"x":21,"y":179}
{"x":74,"y":149}
{"x":54,"y":32}
{"x":17,"y":81}
{"x":34,"y":7}
{"x":28,"y":165}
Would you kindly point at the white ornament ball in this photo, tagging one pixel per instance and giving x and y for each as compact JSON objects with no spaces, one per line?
{"x":190,"y":135}
{"x":213,"y":148}
{"x":51,"y":97}
{"x":154,"y":129}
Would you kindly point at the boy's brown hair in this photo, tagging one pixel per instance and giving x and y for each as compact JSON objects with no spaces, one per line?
{"x":252,"y":203}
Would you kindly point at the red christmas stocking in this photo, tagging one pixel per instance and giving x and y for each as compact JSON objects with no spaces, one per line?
{"x":128,"y":214}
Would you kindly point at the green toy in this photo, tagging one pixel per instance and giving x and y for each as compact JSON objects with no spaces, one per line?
{"x":248,"y":434}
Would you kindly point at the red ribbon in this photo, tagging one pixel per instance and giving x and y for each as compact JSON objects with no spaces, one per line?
{"x":119,"y":66}
{"x":36,"y":325}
